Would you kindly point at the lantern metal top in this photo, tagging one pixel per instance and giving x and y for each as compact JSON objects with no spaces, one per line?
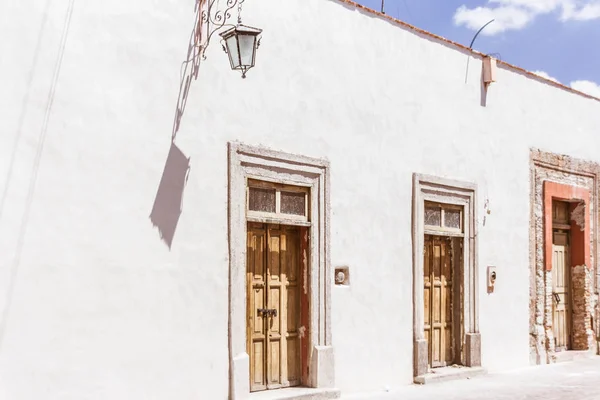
{"x":240,"y":29}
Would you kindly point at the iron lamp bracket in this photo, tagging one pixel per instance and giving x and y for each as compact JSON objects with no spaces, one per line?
{"x":213,"y":17}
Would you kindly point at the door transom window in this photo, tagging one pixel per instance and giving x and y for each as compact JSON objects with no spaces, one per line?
{"x":447,"y":218}
{"x":268,"y":202}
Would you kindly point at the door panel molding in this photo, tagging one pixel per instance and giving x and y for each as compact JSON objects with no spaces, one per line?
{"x":248,"y":162}
{"x":438,"y":298}
{"x":274,"y":306}
{"x":561,"y":292}
{"x":256,"y":283}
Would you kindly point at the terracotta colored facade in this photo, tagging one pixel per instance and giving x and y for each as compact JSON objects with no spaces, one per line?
{"x":581,"y":235}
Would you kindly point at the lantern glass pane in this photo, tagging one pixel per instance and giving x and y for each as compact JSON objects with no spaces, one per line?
{"x":232,"y":49}
{"x":246,"y":49}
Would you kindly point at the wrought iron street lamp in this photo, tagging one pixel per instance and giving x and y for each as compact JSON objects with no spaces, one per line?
{"x":239,"y":41}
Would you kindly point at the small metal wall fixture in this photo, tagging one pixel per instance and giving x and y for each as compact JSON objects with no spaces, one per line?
{"x":240,"y":42}
{"x":491,"y":278}
{"x":342,"y":276}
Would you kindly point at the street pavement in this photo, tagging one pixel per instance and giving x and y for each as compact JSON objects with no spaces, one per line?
{"x":576,"y":380}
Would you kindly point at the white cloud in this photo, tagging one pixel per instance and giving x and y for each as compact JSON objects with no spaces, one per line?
{"x":589,"y":87}
{"x":586,"y":13}
{"x":517,"y":14}
{"x":536,"y":6}
{"x":506,"y":18}
{"x":544,"y":74}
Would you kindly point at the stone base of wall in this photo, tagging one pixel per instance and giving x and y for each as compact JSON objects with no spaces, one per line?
{"x":421,"y":357}
{"x":583,"y":335}
{"x":473,"y":350}
{"x":541,"y":355}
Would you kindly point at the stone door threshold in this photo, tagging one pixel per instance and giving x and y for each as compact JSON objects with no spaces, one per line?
{"x":449,"y":374}
{"x":573,"y":355}
{"x":296,"y":393}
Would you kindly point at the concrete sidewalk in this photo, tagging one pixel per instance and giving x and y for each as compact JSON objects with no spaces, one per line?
{"x":576,"y":380}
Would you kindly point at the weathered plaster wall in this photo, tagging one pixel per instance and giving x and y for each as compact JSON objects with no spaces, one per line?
{"x":100,"y":307}
{"x":567,"y":178}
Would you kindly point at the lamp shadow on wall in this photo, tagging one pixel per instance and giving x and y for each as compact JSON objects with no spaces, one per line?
{"x":169,"y":197}
{"x":189,"y":68}
{"x":168,"y":202}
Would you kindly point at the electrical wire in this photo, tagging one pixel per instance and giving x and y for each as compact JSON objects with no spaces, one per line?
{"x":34,"y":175}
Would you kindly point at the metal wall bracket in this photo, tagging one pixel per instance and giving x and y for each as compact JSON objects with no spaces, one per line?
{"x":214,"y":15}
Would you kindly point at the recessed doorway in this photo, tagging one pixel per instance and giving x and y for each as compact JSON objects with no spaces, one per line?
{"x":446,"y":322}
{"x":442,"y":266}
{"x":561,"y":276}
{"x":277,"y":276}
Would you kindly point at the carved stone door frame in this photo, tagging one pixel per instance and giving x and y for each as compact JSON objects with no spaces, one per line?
{"x":446,"y":191}
{"x":248,"y":162}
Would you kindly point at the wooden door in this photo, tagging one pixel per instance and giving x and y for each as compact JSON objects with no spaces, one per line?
{"x":273,"y":266}
{"x":438,"y":300}
{"x":561,"y":293}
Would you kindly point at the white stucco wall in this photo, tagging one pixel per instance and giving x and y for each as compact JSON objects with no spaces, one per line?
{"x":99,"y":307}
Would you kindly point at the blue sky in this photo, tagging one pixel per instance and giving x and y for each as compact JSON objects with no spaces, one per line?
{"x":559,"y":39}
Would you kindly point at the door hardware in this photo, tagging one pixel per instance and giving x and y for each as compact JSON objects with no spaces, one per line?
{"x":267,"y":312}
{"x":556,"y":298}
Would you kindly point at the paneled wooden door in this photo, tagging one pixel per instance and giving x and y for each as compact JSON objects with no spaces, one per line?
{"x":437,"y":268}
{"x":274,"y":310}
{"x":561,"y":293}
